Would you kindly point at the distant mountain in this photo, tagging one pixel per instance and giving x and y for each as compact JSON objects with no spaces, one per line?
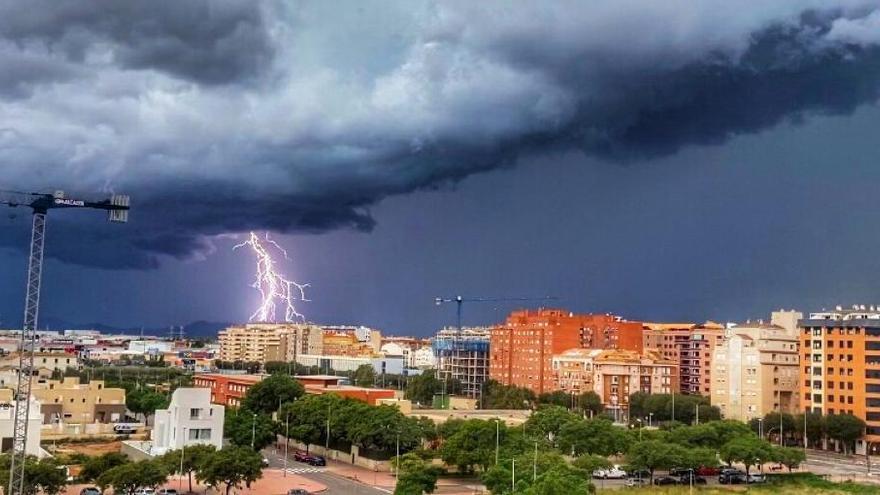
{"x":199,"y":328}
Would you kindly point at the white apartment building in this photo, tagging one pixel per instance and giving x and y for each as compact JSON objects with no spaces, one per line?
{"x":189,"y":420}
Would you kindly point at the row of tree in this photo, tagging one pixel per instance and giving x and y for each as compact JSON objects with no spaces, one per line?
{"x":842,"y":428}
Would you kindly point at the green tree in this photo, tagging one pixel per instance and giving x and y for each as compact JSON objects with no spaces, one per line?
{"x":472,"y":444}
{"x":127,"y":478}
{"x":590,"y":404}
{"x":554,"y":475}
{"x":815,"y":427}
{"x":190,"y":459}
{"x":380,"y":428}
{"x":789,"y":457}
{"x":556,"y":481}
{"x":415,"y":476}
{"x":422,"y":388}
{"x":498,"y":396}
{"x":845,"y":428}
{"x":308,"y":417}
{"x":749,"y":450}
{"x":655,"y":454}
{"x":245,"y":429}
{"x":145,"y":402}
{"x":44,"y":476}
{"x":589,"y":463}
{"x":231,"y":466}
{"x":93,"y":467}
{"x":557,"y":398}
{"x":595,"y":436}
{"x":268,"y":395}
{"x":698,"y":457}
{"x":364,"y":376}
{"x":549,"y":420}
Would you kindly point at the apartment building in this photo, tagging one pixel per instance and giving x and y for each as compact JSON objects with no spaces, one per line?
{"x":691,"y":346}
{"x":257,"y":342}
{"x":463,"y":356}
{"x":521,"y":349}
{"x":614,"y":375}
{"x":68,"y":401}
{"x":755,"y":370}
{"x":840,"y":366}
{"x":226,"y":390}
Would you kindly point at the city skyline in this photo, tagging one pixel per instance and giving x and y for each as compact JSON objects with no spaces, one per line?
{"x":725,"y":170}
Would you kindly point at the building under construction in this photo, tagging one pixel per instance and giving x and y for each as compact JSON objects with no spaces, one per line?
{"x":464,"y":356}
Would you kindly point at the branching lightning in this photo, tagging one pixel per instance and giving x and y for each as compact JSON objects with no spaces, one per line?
{"x":273,"y":287}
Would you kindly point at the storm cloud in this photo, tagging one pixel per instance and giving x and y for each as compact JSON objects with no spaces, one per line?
{"x":229,"y":116}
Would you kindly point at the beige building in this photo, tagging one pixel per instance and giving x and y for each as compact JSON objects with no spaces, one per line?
{"x":614,"y":375}
{"x":68,"y":401}
{"x":44,"y":362}
{"x":264,"y":342}
{"x":755,"y":370}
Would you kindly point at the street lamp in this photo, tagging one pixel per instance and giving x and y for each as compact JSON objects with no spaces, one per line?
{"x":254,"y":432}
{"x":182,"y":449}
{"x":497,"y":432}
{"x":286,"y":441}
{"x":650,"y":418}
{"x":761,"y":428}
{"x":639,"y":420}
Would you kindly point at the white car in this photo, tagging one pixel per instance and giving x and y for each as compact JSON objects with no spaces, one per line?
{"x":613,"y":473}
{"x":145,"y":491}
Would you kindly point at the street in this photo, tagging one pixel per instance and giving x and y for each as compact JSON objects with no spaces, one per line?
{"x":335,"y":476}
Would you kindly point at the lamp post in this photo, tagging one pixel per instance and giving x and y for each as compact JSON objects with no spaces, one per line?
{"x":497,"y":432}
{"x":286,"y":441}
{"x":650,"y":418}
{"x":535,"y":464}
{"x":639,"y":420}
{"x":254,"y":431}
{"x":512,"y":475}
{"x":397,"y":468}
{"x":761,"y":428}
{"x":182,"y":450}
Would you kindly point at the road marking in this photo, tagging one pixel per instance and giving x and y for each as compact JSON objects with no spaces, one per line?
{"x":306,"y":470}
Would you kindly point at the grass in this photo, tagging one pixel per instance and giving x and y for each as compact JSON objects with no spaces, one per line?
{"x":799,"y":483}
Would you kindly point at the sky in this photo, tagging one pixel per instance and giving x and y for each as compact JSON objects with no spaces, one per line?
{"x":678,"y":161}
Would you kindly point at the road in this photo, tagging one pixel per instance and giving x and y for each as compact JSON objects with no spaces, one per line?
{"x":336,"y":484}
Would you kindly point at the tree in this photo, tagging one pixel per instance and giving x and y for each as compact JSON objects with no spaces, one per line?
{"x":498,"y":396}
{"x":845,"y":428}
{"x":655,"y":454}
{"x":192,"y":458}
{"x":381,"y":427}
{"x":308,"y":417}
{"x":549,"y":420}
{"x":422,"y":388}
{"x":589,"y":403}
{"x":44,"y":476}
{"x":557,"y":398}
{"x":415,"y":476}
{"x":815,"y":427}
{"x":231,"y":466}
{"x":594,"y":436}
{"x":589,"y":463}
{"x":145,"y":402}
{"x":558,"y":481}
{"x":246,"y":429}
{"x":268,"y":395}
{"x":554,"y":476}
{"x":93,"y":467}
{"x":789,"y":457}
{"x":698,"y":457}
{"x":749,"y":450}
{"x":472,"y":444}
{"x":364,"y":376}
{"x":127,"y":478}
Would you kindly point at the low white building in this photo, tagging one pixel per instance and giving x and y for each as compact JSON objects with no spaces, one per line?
{"x":189,"y":420}
{"x":7,"y":425}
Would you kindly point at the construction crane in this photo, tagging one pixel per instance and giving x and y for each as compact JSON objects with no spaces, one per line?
{"x":459,"y":300}
{"x":40,"y":203}
{"x":458,"y":351}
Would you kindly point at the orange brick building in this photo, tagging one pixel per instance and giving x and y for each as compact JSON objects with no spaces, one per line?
{"x":840,"y":367}
{"x":690,"y":346}
{"x":521,"y":350}
{"x":229,"y":390}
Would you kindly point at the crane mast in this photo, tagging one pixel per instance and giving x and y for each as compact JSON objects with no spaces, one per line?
{"x":117,"y":207}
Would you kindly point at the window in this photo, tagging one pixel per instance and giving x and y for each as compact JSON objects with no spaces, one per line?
{"x":200,"y":434}
{"x":195,"y":413}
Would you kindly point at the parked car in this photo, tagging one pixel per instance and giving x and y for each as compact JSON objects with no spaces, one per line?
{"x":124,"y":429}
{"x":756,"y":478}
{"x":640,"y":473}
{"x":665,"y":480}
{"x":708,"y":471}
{"x":265,"y":462}
{"x":145,"y":491}
{"x":301,"y":456}
{"x":732,"y":478}
{"x":636,"y":482}
{"x":612,"y":473}
{"x":676,"y":472}
{"x":167,"y":491}
{"x":298,"y":491}
{"x":692,"y":478}
{"x":90,"y":490}
{"x":316,"y":460}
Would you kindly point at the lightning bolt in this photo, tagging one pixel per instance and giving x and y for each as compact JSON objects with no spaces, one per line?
{"x":272,"y":285}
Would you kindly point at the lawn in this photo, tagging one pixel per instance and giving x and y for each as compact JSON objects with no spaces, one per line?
{"x":800,"y":483}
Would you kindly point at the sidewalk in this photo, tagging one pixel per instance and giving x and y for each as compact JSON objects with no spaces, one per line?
{"x":273,"y":482}
{"x":386,"y":481}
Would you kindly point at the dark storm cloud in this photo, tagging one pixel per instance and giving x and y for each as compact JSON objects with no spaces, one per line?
{"x":206,"y":41}
{"x":315,"y":142}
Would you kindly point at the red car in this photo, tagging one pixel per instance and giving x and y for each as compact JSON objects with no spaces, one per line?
{"x":708,"y":471}
{"x":301,"y":456}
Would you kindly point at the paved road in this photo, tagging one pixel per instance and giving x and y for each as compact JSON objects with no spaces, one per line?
{"x":336,"y":485}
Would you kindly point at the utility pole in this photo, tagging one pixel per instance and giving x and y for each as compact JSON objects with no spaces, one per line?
{"x":286,"y":442}
{"x":512,"y":475}
{"x":254,"y":432}
{"x":497,"y":433}
{"x":535,"y":464}
{"x":40,"y":204}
